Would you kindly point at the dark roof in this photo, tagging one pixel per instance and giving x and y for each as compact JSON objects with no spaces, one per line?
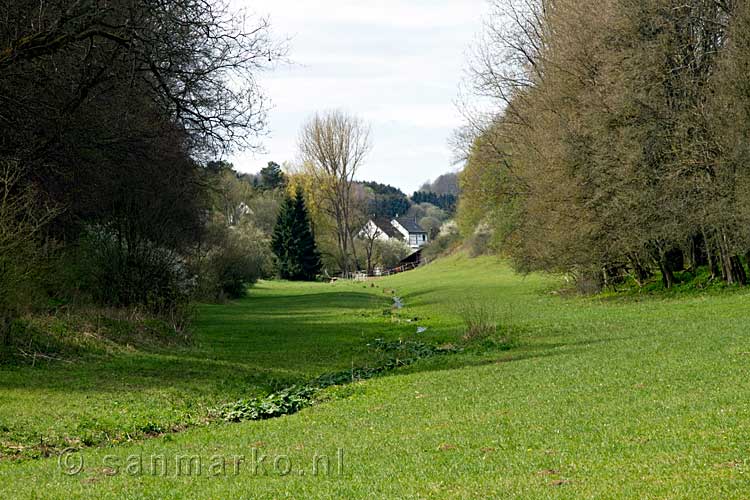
{"x":410,"y":224}
{"x":386,"y":226}
{"x":414,"y":258}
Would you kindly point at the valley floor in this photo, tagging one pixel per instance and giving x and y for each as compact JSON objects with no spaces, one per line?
{"x":601,"y":398}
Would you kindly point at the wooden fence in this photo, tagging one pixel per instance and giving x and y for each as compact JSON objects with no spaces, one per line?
{"x":363,"y":276}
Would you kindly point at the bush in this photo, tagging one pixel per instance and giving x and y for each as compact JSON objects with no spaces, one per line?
{"x":236,"y":258}
{"x":20,"y":286}
{"x":445,"y":243}
{"x":115,"y":273}
{"x":23,"y":215}
{"x":71,"y":333}
{"x":265,"y":210}
{"x":234,"y":270}
{"x":589,"y":282}
{"x":479,"y":243}
{"x":389,"y":253}
{"x":486,"y":322}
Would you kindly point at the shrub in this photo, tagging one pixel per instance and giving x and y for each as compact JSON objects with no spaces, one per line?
{"x":234,"y":268}
{"x":479,"y":243}
{"x":120,"y":274}
{"x":486,"y":322}
{"x":390,"y":252}
{"x":589,"y":282}
{"x":265,"y":210}
{"x":69,"y":333}
{"x":235,"y":258}
{"x":445,"y":243}
{"x":23,"y":215}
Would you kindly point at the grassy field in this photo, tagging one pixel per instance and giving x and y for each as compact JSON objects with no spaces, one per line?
{"x":601,"y":398}
{"x":114,"y":391}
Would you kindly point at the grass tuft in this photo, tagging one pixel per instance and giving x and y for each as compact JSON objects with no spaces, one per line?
{"x":487,"y":323}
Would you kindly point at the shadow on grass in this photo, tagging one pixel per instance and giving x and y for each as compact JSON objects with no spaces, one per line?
{"x":254,"y":346}
{"x":258,"y":344}
{"x":523,"y":352}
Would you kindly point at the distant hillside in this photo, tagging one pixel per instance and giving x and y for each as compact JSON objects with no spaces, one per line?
{"x":385,"y":200}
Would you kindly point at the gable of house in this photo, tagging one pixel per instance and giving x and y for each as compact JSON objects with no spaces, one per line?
{"x":411,"y":225}
{"x":402,"y":228}
{"x":386,"y":227}
{"x":414,"y":235}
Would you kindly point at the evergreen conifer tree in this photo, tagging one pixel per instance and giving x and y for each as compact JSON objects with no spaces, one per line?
{"x":282,"y":238}
{"x":293,"y":243}
{"x":307,"y":256}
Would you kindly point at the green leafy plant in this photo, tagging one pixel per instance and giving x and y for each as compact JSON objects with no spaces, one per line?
{"x":284,"y":402}
{"x":295,"y":398}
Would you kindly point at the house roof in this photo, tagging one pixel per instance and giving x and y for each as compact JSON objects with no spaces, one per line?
{"x":410,"y":224}
{"x":386,"y":227}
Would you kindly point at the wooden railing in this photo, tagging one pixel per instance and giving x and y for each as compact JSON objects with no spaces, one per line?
{"x":363,"y":275}
{"x":402,"y":269}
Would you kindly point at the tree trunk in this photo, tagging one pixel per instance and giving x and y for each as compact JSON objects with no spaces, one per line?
{"x":709,"y":256}
{"x":732,"y":270}
{"x":698,"y":250}
{"x":712,"y":267}
{"x":605,"y":277}
{"x":640,"y":273}
{"x":692,"y":255}
{"x":343,"y":241}
{"x":667,"y":276}
{"x":370,"y":249}
{"x":738,"y":271}
{"x":354,"y":252}
{"x":6,"y":323}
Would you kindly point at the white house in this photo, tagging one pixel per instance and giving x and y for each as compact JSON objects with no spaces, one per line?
{"x":401,"y":228}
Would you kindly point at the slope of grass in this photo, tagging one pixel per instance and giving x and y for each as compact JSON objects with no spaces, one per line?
{"x":283,"y":334}
{"x":615,"y":398}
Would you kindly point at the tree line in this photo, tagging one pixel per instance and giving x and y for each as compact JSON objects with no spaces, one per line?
{"x":112,"y":117}
{"x":109,"y":114}
{"x":619,"y":140}
{"x":446,"y":202}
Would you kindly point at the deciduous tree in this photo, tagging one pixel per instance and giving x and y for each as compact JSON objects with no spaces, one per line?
{"x":333,"y":147}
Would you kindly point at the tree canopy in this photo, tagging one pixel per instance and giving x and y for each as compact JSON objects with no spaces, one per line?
{"x":618,"y":139}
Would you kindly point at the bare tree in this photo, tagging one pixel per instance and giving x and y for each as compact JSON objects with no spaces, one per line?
{"x":511,"y":54}
{"x":333,"y":147}
{"x":198,"y":58}
{"x":370,"y":235}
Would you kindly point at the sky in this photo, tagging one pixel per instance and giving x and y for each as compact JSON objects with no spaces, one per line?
{"x":395,"y":64}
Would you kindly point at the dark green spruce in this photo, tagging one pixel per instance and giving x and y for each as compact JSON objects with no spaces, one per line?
{"x":293,"y":243}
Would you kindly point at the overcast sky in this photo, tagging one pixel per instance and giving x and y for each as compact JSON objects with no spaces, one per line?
{"x":395,"y":63}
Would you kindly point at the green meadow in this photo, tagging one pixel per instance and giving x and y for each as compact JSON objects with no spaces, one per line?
{"x":607,"y":397}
